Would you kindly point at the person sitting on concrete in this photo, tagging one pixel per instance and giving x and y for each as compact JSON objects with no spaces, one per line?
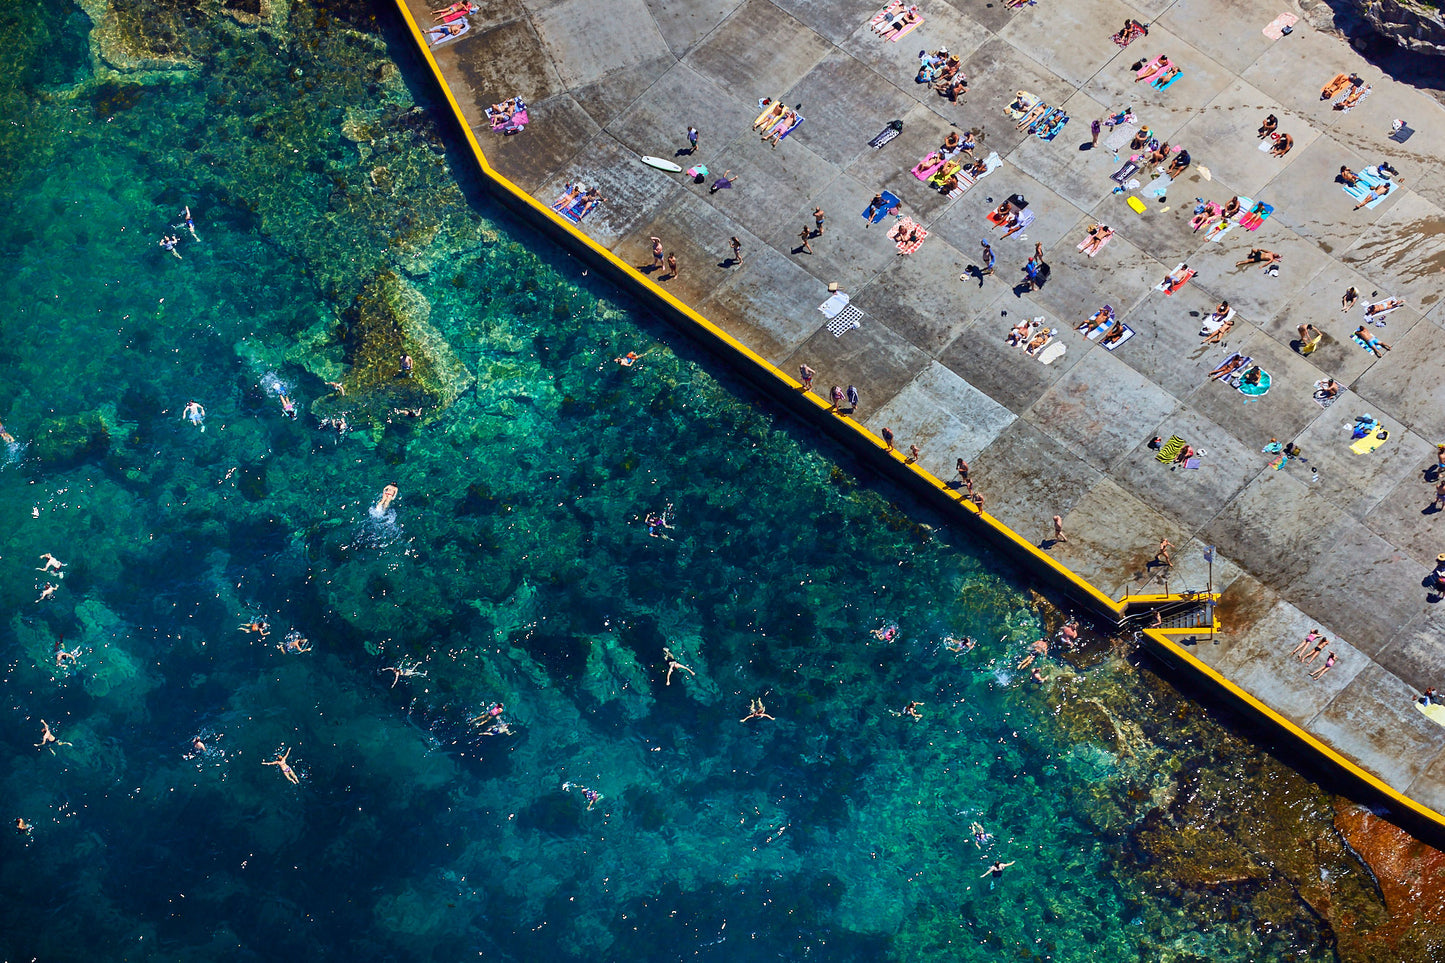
{"x":1282,"y":146}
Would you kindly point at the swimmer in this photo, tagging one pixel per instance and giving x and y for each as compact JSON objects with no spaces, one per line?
{"x":169,"y":244}
{"x":288,"y":406}
{"x":190,"y":225}
{"x":52,"y":564}
{"x":49,"y":590}
{"x":22,"y":827}
{"x":627,"y":360}
{"x":1070,"y":631}
{"x":405,"y":670}
{"x":981,"y":836}
{"x":387,"y":494}
{"x":337,"y":387}
{"x":672,"y":664}
{"x":294,"y":644}
{"x":656,"y":524}
{"x":195,"y":414}
{"x":262,"y":629}
{"x":885,"y":633}
{"x":197,"y":746}
{"x":1036,"y":649}
{"x":491,"y":720}
{"x":62,"y":656}
{"x":47,"y":738}
{"x":910,"y":709}
{"x":958,"y":645}
{"x":406,"y":365}
{"x":996,"y":870}
{"x":591,"y":795}
{"x":285,"y":767}
{"x":1038,"y":676}
{"x":6,"y":437}
{"x":756,"y":711}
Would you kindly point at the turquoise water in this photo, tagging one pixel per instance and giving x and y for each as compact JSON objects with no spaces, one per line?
{"x":513,"y":567}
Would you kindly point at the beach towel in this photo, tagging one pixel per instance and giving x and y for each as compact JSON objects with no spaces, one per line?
{"x":1152,"y":68}
{"x":1022,"y":103}
{"x":886,"y":13}
{"x":1382,"y":308}
{"x":1280,"y":25}
{"x":1377,"y":437}
{"x":848,"y":319}
{"x":1122,"y":135}
{"x":1159,"y":186}
{"x":1110,"y":343}
{"x":1052,"y":352}
{"x":1170,"y":450}
{"x":901,"y":232}
{"x":835,"y":303}
{"x":890,"y":203}
{"x":1167,"y":83}
{"x":927,"y":167}
{"x":1210,"y":213}
{"x":1085,"y":243}
{"x":1212,"y":324}
{"x":894,"y":128}
{"x":769,"y":106}
{"x":966,"y":180}
{"x":514,"y":124}
{"x":1332,"y":89}
{"x":1100,"y":319}
{"x":1363,"y":343}
{"x":1134,"y":33}
{"x":1051,"y":130}
{"x":1217,"y":231}
{"x":1250,"y":220}
{"x":437,"y":36}
{"x":1249,"y":390}
{"x":897,"y":35}
{"x":1352,"y":100}
{"x":785,"y":131}
{"x":1034,"y":352}
{"x":944,"y":172}
{"x":1183,"y":279}
{"x":1130,"y":168}
{"x":1368,"y":179}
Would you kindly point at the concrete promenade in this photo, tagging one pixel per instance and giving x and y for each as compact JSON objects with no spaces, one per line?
{"x":1339,"y":542}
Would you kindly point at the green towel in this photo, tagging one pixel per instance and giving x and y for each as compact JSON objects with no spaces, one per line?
{"x":1171,"y":449}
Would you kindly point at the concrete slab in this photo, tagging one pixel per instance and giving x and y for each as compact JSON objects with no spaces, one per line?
{"x":1188,"y":495}
{"x":1223,"y":137}
{"x":1318,"y":302}
{"x":1229,"y":32}
{"x":633,"y":191}
{"x":1113,"y":537}
{"x":1406,"y":517}
{"x":912,"y":295}
{"x":1119,"y":275}
{"x":1406,"y":250}
{"x":892,"y":166}
{"x":507,"y":61}
{"x":896,"y":63}
{"x":835,"y":20}
{"x":757,"y":52}
{"x":1102,"y":408}
{"x":586,"y":40}
{"x":1164,"y":110}
{"x":1166,"y":346}
{"x":1353,"y":482}
{"x":995,"y":71}
{"x":1079,"y":176}
{"x":1406,"y":383}
{"x":1310,"y":200}
{"x":616,"y":91}
{"x":683,"y":23}
{"x":1416,"y":655}
{"x":1256,"y":294}
{"x":698,"y":234}
{"x":845,"y":105}
{"x":1429,"y":787}
{"x":873,"y":356}
{"x":983,"y":358}
{"x":1029,"y":477}
{"x":657,"y":123}
{"x":1075,"y":62}
{"x":528,"y":159}
{"x":850,"y":251}
{"x":770,"y":190}
{"x":768,"y":305}
{"x":965,"y":223}
{"x":1372,"y":719}
{"x":945,"y":416}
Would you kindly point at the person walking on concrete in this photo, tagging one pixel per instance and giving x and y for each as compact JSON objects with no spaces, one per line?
{"x":805,"y":375}
{"x":692,"y":140}
{"x":737,"y":250}
{"x":852,"y":399}
{"x":887,"y":434}
{"x":803,"y":236}
{"x":818,"y":218}
{"x":913,"y":452}
{"x":1162,"y":557}
{"x":989,"y":260}
{"x":1059,"y":535}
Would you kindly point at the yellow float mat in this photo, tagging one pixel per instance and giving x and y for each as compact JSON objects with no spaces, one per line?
{"x":1137,"y":205}
{"x":1432,"y":712}
{"x":1371,"y":441}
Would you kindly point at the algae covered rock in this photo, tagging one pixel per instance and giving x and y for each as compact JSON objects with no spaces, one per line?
{"x":72,"y":439}
{"x":390,"y":319}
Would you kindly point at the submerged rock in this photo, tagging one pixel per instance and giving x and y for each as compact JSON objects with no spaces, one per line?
{"x":72,"y":439}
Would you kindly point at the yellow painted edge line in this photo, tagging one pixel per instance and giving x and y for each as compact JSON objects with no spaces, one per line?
{"x":1028,"y":547}
{"x":1297,"y":731}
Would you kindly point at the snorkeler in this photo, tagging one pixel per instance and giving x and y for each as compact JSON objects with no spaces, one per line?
{"x":52,"y":564}
{"x":22,"y":827}
{"x":61,"y":656}
{"x":910,"y":709}
{"x":1038,"y":676}
{"x":286,"y":770}
{"x":981,"y":836}
{"x":406,"y":366}
{"x":262,"y":629}
{"x":996,"y":870}
{"x":387,"y":494}
{"x":294,"y":644}
{"x":189,"y":224}
{"x":288,"y":406}
{"x":169,"y":244}
{"x":958,"y":645}
{"x":756,"y":711}
{"x":49,"y":590}
{"x":405,"y":670}
{"x":591,"y":795}
{"x":47,"y":738}
{"x":885,"y":633}
{"x":657,"y":524}
{"x":627,"y":360}
{"x":195,"y":414}
{"x":672,"y":664}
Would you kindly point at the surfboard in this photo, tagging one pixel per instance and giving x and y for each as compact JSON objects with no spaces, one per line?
{"x":662,"y":165}
{"x":1434,"y":713}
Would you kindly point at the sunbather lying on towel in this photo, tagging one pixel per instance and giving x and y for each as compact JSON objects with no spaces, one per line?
{"x":1021,"y":332}
{"x":1376,"y":192}
{"x":1113,"y":336}
{"x":1177,"y":279}
{"x":455,"y":12}
{"x":1034,"y":114}
{"x":1347,"y":177}
{"x":900,"y":23}
{"x":1270,"y":125}
{"x":1039,"y":340}
{"x":1337,"y":84}
{"x":1353,"y":98}
{"x":1229,"y":366}
{"x":893,"y":18}
{"x":1098,"y":234}
{"x":1097,"y":320}
{"x":1166,"y":78}
{"x":1282,"y":145}
{"x":1214,"y":332}
{"x":770,"y":115}
{"x":1363,"y":335}
{"x":1132,"y":31}
{"x":1204,"y":214}
{"x":1153,"y":68}
{"x":1384,"y":307}
{"x":447,"y":31}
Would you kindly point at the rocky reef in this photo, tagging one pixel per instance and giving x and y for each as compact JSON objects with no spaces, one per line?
{"x":1381,"y":25}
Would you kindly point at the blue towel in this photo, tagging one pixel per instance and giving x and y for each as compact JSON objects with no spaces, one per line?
{"x":890,"y":202}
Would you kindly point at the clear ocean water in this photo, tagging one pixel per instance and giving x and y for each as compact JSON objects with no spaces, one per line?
{"x":514,"y":567}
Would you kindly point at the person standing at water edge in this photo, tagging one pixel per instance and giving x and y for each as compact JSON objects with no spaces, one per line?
{"x":656,"y":253}
{"x":852,"y":399}
{"x":805,"y":375}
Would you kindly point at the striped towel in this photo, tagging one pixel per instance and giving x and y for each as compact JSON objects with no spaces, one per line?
{"x":1171,"y":449}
